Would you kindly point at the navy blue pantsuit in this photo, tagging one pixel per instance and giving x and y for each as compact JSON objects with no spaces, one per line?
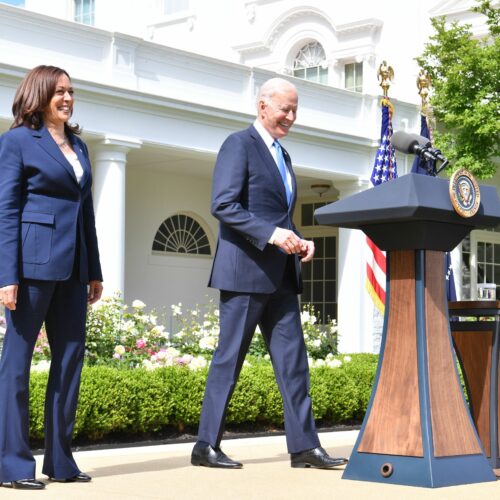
{"x":258,"y":285}
{"x":49,"y":250}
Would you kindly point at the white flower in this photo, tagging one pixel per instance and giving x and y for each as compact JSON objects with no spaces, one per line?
{"x":318,"y":362}
{"x":305,"y":317}
{"x":198,"y":362}
{"x":120,"y":350}
{"x":42,"y":366}
{"x":347,"y":359}
{"x":176,"y":309}
{"x":246,"y":363}
{"x":128,"y":325}
{"x":257,"y":329}
{"x":194,"y":312}
{"x":158,"y":330}
{"x":216,"y":312}
{"x":317,"y":342}
{"x":334,"y":363}
{"x":267,"y":357}
{"x":208,"y":342}
{"x":138,"y":304}
{"x":147,"y":364}
{"x":172,"y":352}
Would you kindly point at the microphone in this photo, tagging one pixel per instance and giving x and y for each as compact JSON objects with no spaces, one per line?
{"x":417,"y":145}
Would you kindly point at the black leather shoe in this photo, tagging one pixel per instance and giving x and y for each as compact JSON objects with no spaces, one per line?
{"x":317,"y":458}
{"x":81,"y":477}
{"x":24,"y":484}
{"x":204,"y":454}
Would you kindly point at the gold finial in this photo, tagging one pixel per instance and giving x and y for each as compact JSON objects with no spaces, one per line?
{"x":424,"y":83}
{"x":385,"y":75}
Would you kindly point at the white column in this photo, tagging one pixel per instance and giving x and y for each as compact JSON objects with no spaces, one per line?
{"x":355,"y":306}
{"x":110,"y":162}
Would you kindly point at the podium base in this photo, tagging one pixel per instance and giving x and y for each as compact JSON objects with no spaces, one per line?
{"x":417,"y":429}
{"x":416,"y":471}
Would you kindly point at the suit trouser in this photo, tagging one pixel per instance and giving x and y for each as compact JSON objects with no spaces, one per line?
{"x":278,"y":317}
{"x":62,"y":305}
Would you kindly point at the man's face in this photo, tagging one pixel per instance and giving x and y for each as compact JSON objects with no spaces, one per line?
{"x":278,"y":113}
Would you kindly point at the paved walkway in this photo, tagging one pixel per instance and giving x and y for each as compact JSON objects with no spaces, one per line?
{"x":164,"y":472}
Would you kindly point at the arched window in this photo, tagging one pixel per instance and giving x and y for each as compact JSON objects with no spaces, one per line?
{"x":181,"y":234}
{"x":309,"y":63}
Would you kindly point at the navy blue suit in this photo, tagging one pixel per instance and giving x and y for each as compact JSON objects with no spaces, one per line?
{"x":49,"y":248}
{"x":259,"y":285}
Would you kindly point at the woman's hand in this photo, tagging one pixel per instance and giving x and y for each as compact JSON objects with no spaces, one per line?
{"x":8,"y":296}
{"x":95,"y":291}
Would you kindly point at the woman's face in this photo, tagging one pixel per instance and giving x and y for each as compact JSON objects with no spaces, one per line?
{"x":60,"y":107}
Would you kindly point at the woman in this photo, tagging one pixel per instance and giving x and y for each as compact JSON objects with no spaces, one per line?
{"x":49,"y":270}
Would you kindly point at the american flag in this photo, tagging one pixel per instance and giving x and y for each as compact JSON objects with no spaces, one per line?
{"x":384,"y":169}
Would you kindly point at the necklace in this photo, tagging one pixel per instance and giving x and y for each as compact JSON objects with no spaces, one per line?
{"x":63,"y":142}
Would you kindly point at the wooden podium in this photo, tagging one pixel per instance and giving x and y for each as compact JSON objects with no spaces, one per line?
{"x":417,"y":429}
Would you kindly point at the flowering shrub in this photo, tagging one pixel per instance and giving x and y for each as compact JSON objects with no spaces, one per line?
{"x":131,"y":337}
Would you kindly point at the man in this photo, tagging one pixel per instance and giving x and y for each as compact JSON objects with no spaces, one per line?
{"x":257,"y":270}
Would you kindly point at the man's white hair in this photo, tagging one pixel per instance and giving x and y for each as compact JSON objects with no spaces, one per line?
{"x":273,"y":86}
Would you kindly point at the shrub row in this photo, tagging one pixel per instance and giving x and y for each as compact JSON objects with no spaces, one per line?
{"x":142,"y":402}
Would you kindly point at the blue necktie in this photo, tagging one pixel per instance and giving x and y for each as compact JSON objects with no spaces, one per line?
{"x":282,"y":168}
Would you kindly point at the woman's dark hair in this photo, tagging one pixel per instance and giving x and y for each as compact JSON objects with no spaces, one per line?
{"x":33,"y":96}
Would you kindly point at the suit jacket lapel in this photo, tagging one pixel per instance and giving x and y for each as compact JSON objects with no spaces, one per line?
{"x":48,"y":144}
{"x":268,"y":161}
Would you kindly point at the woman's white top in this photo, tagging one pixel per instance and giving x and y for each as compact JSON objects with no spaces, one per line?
{"x":75,"y":163}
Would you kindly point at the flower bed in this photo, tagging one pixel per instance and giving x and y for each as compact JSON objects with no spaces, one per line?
{"x":139,"y":378}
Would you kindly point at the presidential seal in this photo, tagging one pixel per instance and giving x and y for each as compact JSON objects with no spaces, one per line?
{"x":464,"y":193}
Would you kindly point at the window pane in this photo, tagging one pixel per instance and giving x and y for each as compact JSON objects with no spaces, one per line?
{"x":480,"y":251}
{"x":306,"y":271}
{"x":349,"y":76}
{"x":323,"y":75}
{"x":318,"y":274}
{"x":318,"y":292}
{"x":359,"y":77}
{"x":306,"y":293}
{"x":330,"y":247}
{"x":330,"y":312}
{"x":330,"y":289}
{"x":84,"y":11}
{"x":489,"y":252}
{"x":330,"y":268}
{"x":181,"y":234}
{"x":319,"y":243}
{"x":307,"y":214}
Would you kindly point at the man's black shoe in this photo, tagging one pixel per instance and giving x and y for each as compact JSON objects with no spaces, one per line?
{"x":24,"y":484}
{"x":317,"y":458}
{"x":204,"y":454}
{"x":81,"y":477}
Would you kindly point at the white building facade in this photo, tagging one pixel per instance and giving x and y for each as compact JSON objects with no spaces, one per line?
{"x":159,"y":86}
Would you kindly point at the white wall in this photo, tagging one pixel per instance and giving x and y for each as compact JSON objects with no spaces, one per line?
{"x":152,"y":197}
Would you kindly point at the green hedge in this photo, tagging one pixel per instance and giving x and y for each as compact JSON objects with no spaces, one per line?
{"x":143,"y":402}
